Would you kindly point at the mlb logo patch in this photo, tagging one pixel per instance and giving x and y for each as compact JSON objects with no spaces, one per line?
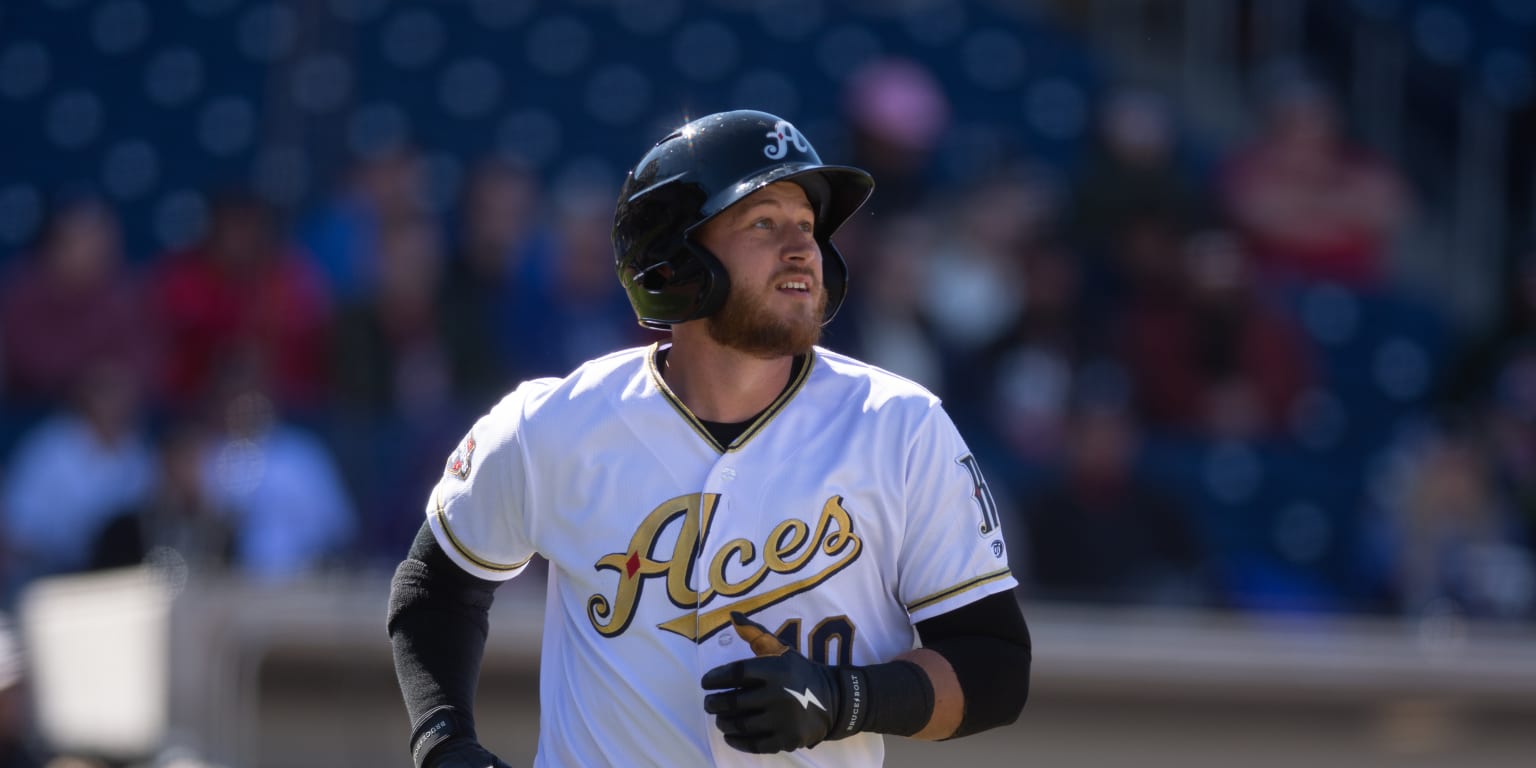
{"x":458,"y":463}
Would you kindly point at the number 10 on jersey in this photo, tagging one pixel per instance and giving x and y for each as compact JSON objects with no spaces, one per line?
{"x":829,"y":642}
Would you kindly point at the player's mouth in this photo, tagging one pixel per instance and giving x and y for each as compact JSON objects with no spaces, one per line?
{"x":794,"y":285}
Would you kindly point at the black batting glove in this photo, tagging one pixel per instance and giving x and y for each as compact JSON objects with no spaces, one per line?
{"x":463,"y":754}
{"x":446,"y":739}
{"x":779,"y":700}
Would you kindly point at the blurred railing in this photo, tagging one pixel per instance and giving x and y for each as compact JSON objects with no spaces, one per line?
{"x":253,"y":675}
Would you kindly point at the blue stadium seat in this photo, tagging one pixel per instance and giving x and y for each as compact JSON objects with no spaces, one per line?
{"x":158,"y":103}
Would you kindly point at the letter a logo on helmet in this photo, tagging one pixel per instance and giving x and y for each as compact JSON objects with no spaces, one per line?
{"x":692,"y":175}
{"x":784,"y":132}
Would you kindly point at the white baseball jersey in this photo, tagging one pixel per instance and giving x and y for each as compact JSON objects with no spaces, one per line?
{"x":848,"y":511}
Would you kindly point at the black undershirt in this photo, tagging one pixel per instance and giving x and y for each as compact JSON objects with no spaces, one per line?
{"x":726,"y":432}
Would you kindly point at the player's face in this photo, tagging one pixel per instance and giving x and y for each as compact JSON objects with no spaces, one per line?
{"x":777,"y":299}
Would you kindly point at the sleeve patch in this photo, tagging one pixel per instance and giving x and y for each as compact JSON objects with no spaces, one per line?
{"x":459,"y":463}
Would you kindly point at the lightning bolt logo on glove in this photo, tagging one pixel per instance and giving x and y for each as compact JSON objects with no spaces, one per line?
{"x":806,"y":699}
{"x":751,"y":712}
{"x":764,"y":643}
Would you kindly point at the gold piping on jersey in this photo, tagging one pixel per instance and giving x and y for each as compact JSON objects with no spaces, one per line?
{"x":442,"y":518}
{"x":986,"y":578}
{"x":751,"y":431}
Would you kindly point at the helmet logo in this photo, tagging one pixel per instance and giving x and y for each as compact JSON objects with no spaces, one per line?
{"x":784,"y":134}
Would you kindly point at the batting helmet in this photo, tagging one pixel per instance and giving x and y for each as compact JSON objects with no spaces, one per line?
{"x":691,"y":176}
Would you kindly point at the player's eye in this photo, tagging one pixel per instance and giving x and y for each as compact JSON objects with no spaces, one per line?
{"x":763,"y":223}
{"x":805,"y":226}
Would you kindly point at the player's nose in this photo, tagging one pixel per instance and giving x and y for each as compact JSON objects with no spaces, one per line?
{"x":801,"y":247}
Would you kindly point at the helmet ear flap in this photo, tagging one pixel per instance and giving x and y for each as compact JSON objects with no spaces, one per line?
{"x":717,"y":281}
{"x":834,"y":277}
{"x":691,"y":284}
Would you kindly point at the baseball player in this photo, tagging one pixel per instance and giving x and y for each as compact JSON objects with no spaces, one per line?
{"x":760,"y":552}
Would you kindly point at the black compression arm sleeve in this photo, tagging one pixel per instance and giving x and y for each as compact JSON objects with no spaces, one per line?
{"x":987,"y":643}
{"x":438,"y":621}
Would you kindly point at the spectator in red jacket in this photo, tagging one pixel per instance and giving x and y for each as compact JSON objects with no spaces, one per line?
{"x":243,"y":291}
{"x":1314,"y":205}
{"x":69,"y":306}
{"x":1215,"y":360}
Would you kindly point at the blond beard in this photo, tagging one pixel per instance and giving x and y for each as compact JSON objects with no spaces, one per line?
{"x":746,"y":325}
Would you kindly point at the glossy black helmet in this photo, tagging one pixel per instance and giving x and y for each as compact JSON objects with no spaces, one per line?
{"x":695,"y":173}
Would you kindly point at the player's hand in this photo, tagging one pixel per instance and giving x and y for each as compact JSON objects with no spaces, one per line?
{"x":779,"y":700}
{"x":463,"y":754}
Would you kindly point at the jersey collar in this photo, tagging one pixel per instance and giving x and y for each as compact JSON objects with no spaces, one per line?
{"x":768,"y":414}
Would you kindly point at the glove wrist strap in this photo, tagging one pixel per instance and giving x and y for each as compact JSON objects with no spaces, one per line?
{"x":853,"y":702}
{"x":439,"y":725}
{"x":894,"y":698}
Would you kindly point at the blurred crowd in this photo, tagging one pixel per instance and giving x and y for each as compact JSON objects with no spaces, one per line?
{"x":1189,"y":382}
